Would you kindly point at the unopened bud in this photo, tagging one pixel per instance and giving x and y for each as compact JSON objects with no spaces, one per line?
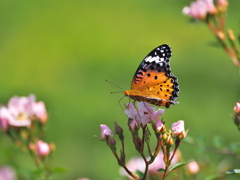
{"x":170,"y":141}
{"x":147,"y":135}
{"x":43,"y":149}
{"x":231,"y":35}
{"x":111,"y":143}
{"x":119,"y":131}
{"x":221,"y":35}
{"x":159,"y":126}
{"x":222,"y":5}
{"x":105,"y":131}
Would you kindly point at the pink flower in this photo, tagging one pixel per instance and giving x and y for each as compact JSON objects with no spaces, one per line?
{"x":197,"y":10}
{"x":210,"y":6}
{"x":144,"y":114}
{"x":131,"y":111}
{"x":200,"y":8}
{"x":21,"y":110}
{"x":105,"y":131}
{"x":137,"y":164}
{"x":43,"y":149}
{"x":5,"y":116}
{"x":40,"y":111}
{"x":178,"y":129}
{"x":7,"y":173}
{"x":134,"y":164}
{"x":159,"y":163}
{"x":193,"y":167}
{"x":237,"y":108}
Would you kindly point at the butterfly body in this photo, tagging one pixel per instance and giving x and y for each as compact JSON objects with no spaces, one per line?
{"x":153,"y":81}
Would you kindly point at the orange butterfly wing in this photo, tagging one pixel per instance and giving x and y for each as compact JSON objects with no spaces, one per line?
{"x":153,"y":81}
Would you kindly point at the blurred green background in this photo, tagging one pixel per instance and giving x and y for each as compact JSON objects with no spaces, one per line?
{"x":62,"y":51}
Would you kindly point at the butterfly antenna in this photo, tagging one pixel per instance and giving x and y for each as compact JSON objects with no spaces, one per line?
{"x":114,"y":85}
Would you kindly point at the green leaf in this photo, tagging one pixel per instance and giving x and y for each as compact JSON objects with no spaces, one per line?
{"x":139,"y":173}
{"x":232,"y":172}
{"x":161,"y":170}
{"x":178,"y":165}
{"x":59,"y":170}
{"x":212,"y":177}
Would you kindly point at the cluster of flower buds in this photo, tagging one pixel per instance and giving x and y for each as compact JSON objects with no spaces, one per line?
{"x":236,"y":116}
{"x":23,"y":119}
{"x":213,"y":14}
{"x":199,"y":9}
{"x":138,"y":121}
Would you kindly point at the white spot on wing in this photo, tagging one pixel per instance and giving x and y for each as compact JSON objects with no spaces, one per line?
{"x":155,"y":59}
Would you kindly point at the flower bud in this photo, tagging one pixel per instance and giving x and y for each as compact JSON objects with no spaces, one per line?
{"x":119,"y":131}
{"x":105,"y":131}
{"x":147,"y":135}
{"x":236,"y":117}
{"x":178,"y":130}
{"x":221,"y":35}
{"x":111,"y":143}
{"x":43,"y":149}
{"x":237,"y":108}
{"x":222,"y":5}
{"x":231,"y":35}
{"x":159,"y":126}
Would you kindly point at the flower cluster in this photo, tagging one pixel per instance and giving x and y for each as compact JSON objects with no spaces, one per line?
{"x":199,"y":9}
{"x":21,"y":111}
{"x":23,"y":120}
{"x":163,"y":156}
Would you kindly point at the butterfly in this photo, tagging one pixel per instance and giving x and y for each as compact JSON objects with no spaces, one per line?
{"x":153,"y":81}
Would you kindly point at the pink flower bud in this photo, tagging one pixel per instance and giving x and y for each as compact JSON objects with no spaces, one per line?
{"x":178,"y":129}
{"x":43,"y":149}
{"x":160,"y":126}
{"x":193,"y":167}
{"x":237,"y":108}
{"x":105,"y":131}
{"x":222,"y":2}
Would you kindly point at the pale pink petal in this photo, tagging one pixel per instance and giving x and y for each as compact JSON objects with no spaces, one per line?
{"x":40,"y":111}
{"x":5,"y":116}
{"x":145,"y":107}
{"x":131,"y":111}
{"x":134,"y":125}
{"x":157,"y":113}
{"x":105,"y":131}
{"x":210,"y":6}
{"x":159,"y":124}
{"x":178,"y":127}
